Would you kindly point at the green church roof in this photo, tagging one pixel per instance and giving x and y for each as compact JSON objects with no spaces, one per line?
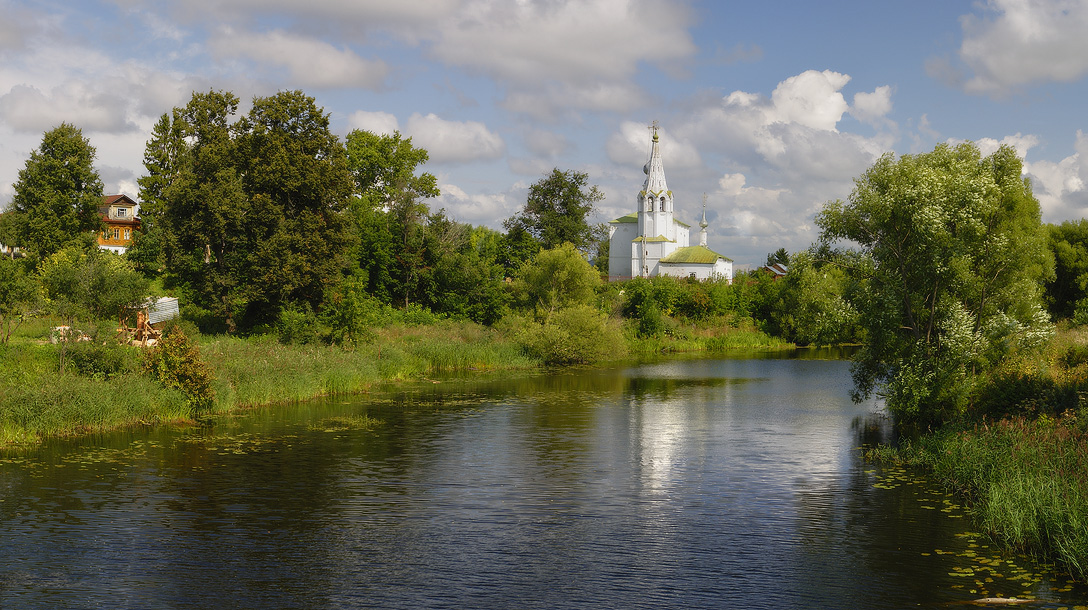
{"x":700,"y":255}
{"x":633,"y":217}
{"x":651,"y":240}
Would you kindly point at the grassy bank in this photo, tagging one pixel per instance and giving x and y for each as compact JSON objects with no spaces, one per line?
{"x":1025,"y":480}
{"x":104,"y":387}
{"x":1020,"y":458}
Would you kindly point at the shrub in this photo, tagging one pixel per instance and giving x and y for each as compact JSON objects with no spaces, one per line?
{"x":641,"y":307}
{"x":298,"y":325}
{"x":101,"y":361}
{"x":575,"y":335}
{"x":176,"y":363}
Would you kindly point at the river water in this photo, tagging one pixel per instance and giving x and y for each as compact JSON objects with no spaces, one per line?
{"x":689,"y":483}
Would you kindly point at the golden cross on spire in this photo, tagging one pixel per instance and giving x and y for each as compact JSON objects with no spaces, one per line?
{"x":653,"y":129}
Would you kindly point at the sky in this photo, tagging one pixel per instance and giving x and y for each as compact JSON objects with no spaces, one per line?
{"x":769,"y":109}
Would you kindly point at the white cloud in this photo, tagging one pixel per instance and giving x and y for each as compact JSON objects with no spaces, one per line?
{"x":479,"y":209}
{"x":631,"y":146}
{"x":310,"y":62}
{"x":376,"y":122}
{"x":571,"y":40}
{"x":780,"y":158}
{"x":385,"y":13}
{"x":811,"y":99}
{"x":1021,"y":42}
{"x":29,"y":109}
{"x":873,"y":107}
{"x":454,"y":141}
{"x":546,"y":143}
{"x":1062,"y":187}
{"x":1019,"y":142}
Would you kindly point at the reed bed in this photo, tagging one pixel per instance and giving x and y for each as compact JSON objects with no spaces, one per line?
{"x":38,"y":401}
{"x":1025,"y":479}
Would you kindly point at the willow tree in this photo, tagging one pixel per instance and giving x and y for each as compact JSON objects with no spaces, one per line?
{"x":955,"y":258}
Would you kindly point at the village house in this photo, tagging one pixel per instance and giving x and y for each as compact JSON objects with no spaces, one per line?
{"x":118,"y":213}
{"x":651,"y":242}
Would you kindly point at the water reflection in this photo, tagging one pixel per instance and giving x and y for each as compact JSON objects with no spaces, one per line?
{"x":680,"y":483}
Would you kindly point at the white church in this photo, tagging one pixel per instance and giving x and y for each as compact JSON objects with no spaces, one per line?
{"x":652,"y":242}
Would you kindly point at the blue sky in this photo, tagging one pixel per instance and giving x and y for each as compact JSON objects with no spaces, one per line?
{"x":769,"y":108}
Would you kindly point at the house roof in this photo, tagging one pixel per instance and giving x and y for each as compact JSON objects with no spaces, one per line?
{"x":651,"y":240}
{"x":777,"y":269}
{"x":694,"y":255}
{"x":115,"y":199}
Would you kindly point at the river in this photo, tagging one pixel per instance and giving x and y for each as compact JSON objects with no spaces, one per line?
{"x":684,"y":483}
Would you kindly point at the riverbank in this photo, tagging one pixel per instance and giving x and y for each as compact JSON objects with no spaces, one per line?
{"x":105,"y":388}
{"x":1026,"y":481}
{"x":1020,"y":460}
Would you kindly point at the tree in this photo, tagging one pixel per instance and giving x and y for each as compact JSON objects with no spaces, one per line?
{"x":389,"y":213}
{"x":383,"y":166}
{"x":84,"y":284}
{"x":162,"y":160}
{"x":251,"y":211}
{"x":295,"y":174}
{"x":204,"y":207}
{"x":556,"y":279}
{"x":57,"y":194}
{"x":1067,"y":293}
{"x":954,"y":256}
{"x":19,"y":295}
{"x":813,"y":305}
{"x":778,"y":257}
{"x":557,"y":211}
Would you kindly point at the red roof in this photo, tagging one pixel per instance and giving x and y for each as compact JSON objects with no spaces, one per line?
{"x":112,"y":199}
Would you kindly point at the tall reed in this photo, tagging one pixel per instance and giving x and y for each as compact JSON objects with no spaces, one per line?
{"x":1026,"y":480}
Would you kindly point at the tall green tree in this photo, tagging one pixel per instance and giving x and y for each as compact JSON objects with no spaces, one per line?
{"x":163,"y":156}
{"x":384,"y":166}
{"x":251,"y":210}
{"x":295,"y":174}
{"x":19,"y":295}
{"x":558,"y":210}
{"x":390,"y":214}
{"x":1067,"y":292}
{"x":955,"y":256}
{"x":204,"y":208}
{"x":57,"y":194}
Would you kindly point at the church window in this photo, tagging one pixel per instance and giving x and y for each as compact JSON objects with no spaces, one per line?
{"x":651,"y":201}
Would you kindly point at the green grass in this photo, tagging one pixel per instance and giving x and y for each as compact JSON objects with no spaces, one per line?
{"x":1026,"y":480}
{"x":37,"y":401}
{"x":109,"y":389}
{"x":720,"y":334}
{"x":1019,"y":456}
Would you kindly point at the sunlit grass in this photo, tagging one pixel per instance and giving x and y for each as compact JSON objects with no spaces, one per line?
{"x":1026,"y":480}
{"x":37,"y":401}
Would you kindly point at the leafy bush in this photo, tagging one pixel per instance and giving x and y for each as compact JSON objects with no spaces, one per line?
{"x":641,"y":307}
{"x":298,"y":325}
{"x":1080,"y":313}
{"x":176,"y":363}
{"x":102,"y":361}
{"x":575,"y":335}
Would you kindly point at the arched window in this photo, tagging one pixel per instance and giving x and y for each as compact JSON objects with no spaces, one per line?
{"x":650,"y":200}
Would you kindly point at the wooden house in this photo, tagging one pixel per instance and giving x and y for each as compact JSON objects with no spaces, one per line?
{"x":119,"y":214}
